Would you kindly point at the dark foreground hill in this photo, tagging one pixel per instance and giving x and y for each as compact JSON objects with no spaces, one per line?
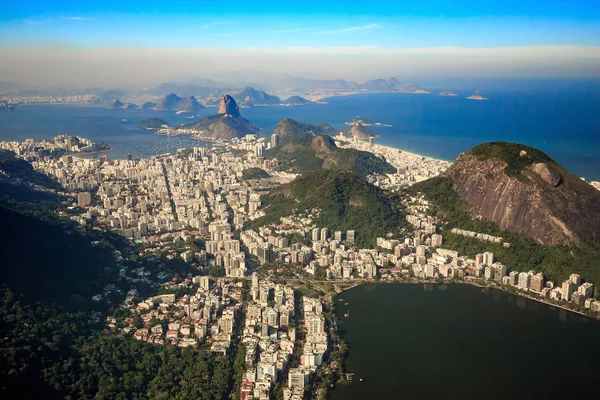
{"x":52,"y":341}
{"x":346,"y":201}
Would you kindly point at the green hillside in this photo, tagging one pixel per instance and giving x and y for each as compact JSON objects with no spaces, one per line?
{"x":346,"y":201}
{"x":305,"y":153}
{"x":153,"y":123}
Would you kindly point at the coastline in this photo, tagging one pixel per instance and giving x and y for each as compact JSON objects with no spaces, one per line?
{"x":387,"y":148}
{"x":343,"y":94}
{"x":516,"y":293}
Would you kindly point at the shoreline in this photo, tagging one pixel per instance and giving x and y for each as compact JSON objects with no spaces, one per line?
{"x":518,"y":293}
{"x":344,"y":94}
{"x":389,"y":148}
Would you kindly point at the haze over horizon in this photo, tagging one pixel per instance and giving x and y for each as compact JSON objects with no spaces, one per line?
{"x":45,"y":44}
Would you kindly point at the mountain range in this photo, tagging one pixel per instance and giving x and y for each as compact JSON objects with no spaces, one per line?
{"x":176,"y":103}
{"x":210,"y":91}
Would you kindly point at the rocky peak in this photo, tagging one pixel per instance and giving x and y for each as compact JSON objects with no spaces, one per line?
{"x":524,"y":191}
{"x":227,"y":105}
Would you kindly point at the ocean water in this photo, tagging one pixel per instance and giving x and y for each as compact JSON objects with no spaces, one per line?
{"x":98,"y":123}
{"x":561,"y":120}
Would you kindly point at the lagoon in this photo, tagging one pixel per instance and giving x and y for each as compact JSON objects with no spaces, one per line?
{"x":459,"y":341}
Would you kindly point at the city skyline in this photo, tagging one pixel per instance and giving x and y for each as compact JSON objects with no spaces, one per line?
{"x":145,"y":43}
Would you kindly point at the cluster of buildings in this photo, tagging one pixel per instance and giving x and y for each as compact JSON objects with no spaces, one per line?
{"x":207,"y":316}
{"x":480,"y":236}
{"x":276,"y":327}
{"x":73,"y":98}
{"x":430,"y":260}
{"x":32,"y":150}
{"x":410,"y":168}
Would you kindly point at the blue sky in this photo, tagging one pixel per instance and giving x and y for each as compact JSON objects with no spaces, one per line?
{"x":565,"y":31}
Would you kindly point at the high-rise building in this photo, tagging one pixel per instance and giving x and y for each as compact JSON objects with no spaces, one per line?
{"x":371,"y":141}
{"x":513,"y":278}
{"x":205,"y":282}
{"x":488,"y":258}
{"x":499,"y":272}
{"x":524,"y":280}
{"x":84,"y":199}
{"x":537,"y":282}
{"x":226,"y":323}
{"x":586,"y":290}
{"x":315,"y":324}
{"x":297,"y":378}
{"x":566,"y":290}
{"x":315,"y":234}
{"x":255,"y":279}
{"x":575,"y":278}
{"x":350,"y":236}
{"x":436,"y":240}
{"x":324,"y":233}
{"x":479,"y":259}
{"x":274,"y":140}
{"x":338,"y":235}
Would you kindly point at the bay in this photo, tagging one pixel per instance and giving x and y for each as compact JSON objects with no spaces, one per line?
{"x":460,"y":341}
{"x":561,"y":120}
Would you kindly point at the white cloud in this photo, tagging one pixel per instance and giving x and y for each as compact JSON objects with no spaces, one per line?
{"x":352,"y":29}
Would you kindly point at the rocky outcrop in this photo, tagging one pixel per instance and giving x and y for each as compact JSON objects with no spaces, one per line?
{"x":116,"y":104}
{"x":227,"y":124}
{"x":360,"y":132}
{"x":538,"y":199}
{"x":227,"y":105}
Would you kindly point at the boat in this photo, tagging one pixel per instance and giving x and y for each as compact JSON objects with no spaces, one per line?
{"x":124,"y":120}
{"x":345,"y":304}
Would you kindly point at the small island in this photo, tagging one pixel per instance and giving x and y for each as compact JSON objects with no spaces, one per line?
{"x":154,"y":124}
{"x":296,"y":101}
{"x":148,"y":105}
{"x":117,"y":105}
{"x":359,"y":121}
{"x":448,"y":94}
{"x":477,"y":96}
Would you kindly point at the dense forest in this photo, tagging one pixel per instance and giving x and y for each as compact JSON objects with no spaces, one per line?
{"x":557,"y":262}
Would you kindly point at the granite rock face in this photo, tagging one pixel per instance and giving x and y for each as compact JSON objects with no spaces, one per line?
{"x":543,"y":201}
{"x":227,"y":124}
{"x":227,"y":105}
